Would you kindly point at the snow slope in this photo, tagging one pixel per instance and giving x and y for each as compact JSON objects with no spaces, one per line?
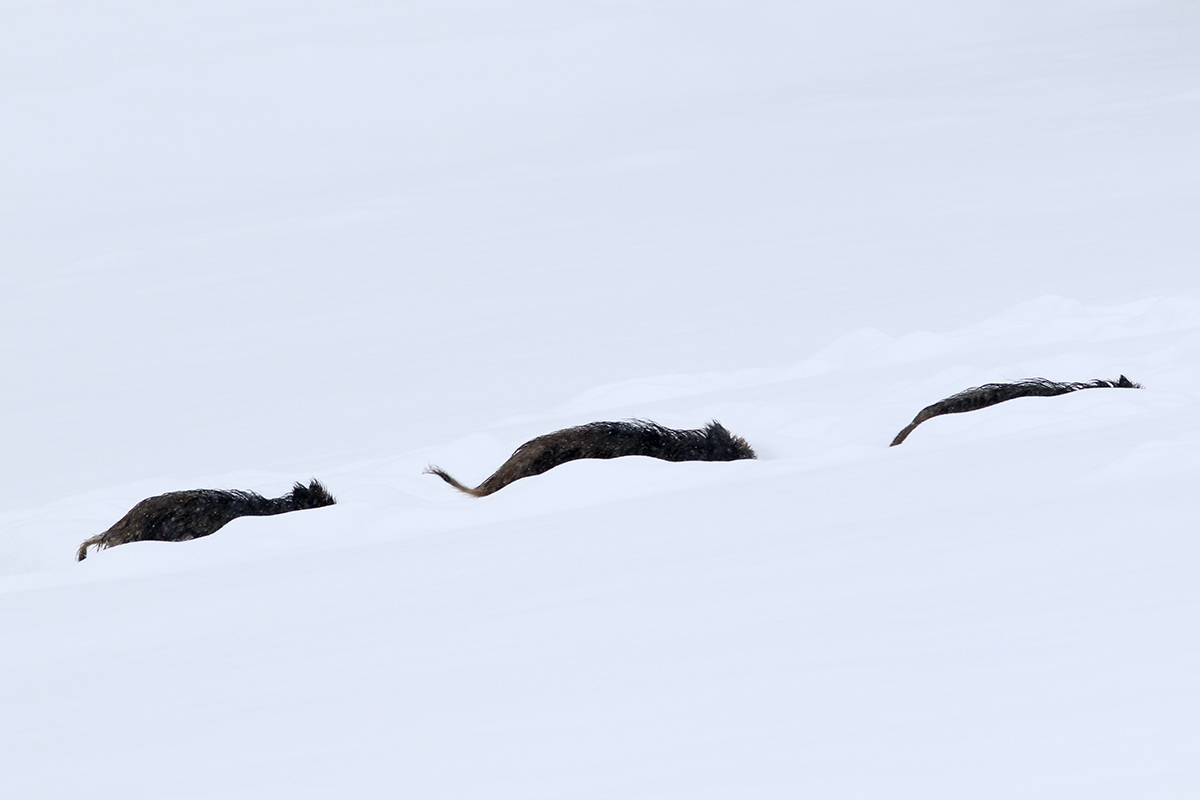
{"x":246,"y":244}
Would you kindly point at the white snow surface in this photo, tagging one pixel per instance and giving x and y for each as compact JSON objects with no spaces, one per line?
{"x":245,"y":244}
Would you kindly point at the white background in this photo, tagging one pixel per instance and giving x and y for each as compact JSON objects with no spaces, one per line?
{"x":243,"y":244}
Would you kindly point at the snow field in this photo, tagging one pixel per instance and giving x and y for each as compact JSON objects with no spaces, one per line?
{"x":248,"y":244}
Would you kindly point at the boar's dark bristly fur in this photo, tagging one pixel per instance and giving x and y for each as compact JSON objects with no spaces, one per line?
{"x":992,"y":393}
{"x":609,"y":440}
{"x":179,"y":516}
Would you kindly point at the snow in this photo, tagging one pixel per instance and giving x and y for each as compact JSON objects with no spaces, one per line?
{"x":249,"y":244}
